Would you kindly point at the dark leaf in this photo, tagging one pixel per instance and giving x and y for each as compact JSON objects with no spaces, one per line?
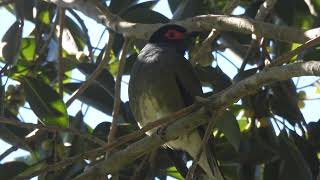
{"x":11,"y":169}
{"x":229,"y":126}
{"x":294,"y":166}
{"x":102,"y":130}
{"x":284,"y":101}
{"x":78,"y":144}
{"x":173,"y":5}
{"x":129,"y":63}
{"x":308,"y":152}
{"x":12,"y":38}
{"x":247,"y":171}
{"x":314,"y":134}
{"x":255,"y":147}
{"x":45,"y":102}
{"x":77,"y":33}
{"x":94,"y":96}
{"x":214,"y":77}
{"x":312,"y":54}
{"x":104,"y":80}
{"x":271,"y":170}
{"x":117,"y":6}
{"x":189,"y":8}
{"x":143,"y":14}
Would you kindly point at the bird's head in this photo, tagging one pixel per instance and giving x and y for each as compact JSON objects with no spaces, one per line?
{"x":173,"y":35}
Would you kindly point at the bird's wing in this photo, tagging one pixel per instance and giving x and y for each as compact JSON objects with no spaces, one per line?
{"x":190,"y":86}
{"x":188,"y":83}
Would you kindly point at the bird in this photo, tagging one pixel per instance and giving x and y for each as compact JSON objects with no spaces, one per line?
{"x":162,"y":81}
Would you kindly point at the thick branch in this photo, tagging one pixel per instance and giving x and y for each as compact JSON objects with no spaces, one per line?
{"x":219,"y":102}
{"x":97,"y":11}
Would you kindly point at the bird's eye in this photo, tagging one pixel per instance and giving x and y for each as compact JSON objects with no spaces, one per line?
{"x":173,"y":34}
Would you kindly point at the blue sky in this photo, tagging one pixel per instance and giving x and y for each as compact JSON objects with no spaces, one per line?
{"x":94,"y":117}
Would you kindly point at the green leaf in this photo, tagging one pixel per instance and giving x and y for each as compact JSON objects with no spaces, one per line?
{"x":11,"y":169}
{"x":243,"y":123}
{"x":44,"y":17}
{"x":31,"y":169}
{"x":28,"y":48}
{"x":143,"y":14}
{"x":45,"y":102}
{"x":76,"y":32}
{"x":173,"y":172}
{"x":228,"y":125}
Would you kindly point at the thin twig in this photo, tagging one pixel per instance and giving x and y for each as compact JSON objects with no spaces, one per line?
{"x":95,"y":74}
{"x":261,"y":15}
{"x":219,"y":101}
{"x":206,"y":44}
{"x":48,"y":39}
{"x":4,"y":3}
{"x":222,"y":55}
{"x":205,"y":47}
{"x":311,"y":84}
{"x":311,"y":99}
{"x":98,"y":43}
{"x":51,"y":129}
{"x":85,"y":30}
{"x":120,"y":141}
{"x":284,"y":58}
{"x":204,"y":142}
{"x":117,"y":90}
{"x":140,"y":167}
{"x":60,"y":50}
{"x":16,"y":147}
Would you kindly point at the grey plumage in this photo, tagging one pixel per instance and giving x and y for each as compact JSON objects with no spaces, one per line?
{"x":162,"y":81}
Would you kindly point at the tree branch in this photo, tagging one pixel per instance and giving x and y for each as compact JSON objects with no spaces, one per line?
{"x":13,"y":122}
{"x":95,"y":74}
{"x":99,"y":12}
{"x":117,"y":90}
{"x":218,"y":102}
{"x":61,"y":64}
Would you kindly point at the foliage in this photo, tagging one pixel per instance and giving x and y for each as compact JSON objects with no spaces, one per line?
{"x":248,"y":141}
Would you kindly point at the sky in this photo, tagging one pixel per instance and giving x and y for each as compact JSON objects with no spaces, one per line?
{"x":310,"y":112}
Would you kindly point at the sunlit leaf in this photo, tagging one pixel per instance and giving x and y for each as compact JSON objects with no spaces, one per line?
{"x":44,"y":16}
{"x":45,"y":102}
{"x":173,"y":172}
{"x":28,"y":47}
{"x":229,"y":126}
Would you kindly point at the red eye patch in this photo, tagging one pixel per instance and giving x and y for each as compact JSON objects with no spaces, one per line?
{"x":174,"y":34}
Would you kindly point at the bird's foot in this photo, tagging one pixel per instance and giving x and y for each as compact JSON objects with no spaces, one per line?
{"x":161,"y":131}
{"x":206,"y":104}
{"x":202,"y":100}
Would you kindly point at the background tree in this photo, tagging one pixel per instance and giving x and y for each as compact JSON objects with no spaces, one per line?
{"x":263,"y":136}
